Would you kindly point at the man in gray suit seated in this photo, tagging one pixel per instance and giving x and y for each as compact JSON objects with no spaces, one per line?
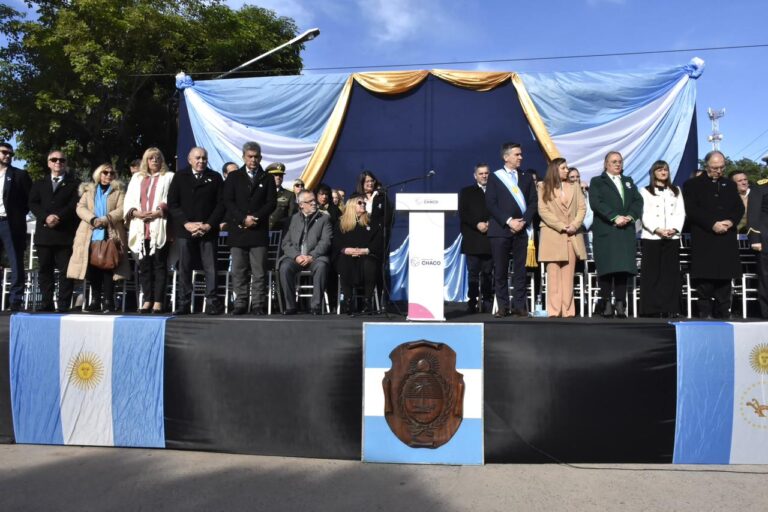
{"x":306,"y":246}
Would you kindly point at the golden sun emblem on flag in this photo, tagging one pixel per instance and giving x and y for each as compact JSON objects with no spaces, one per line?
{"x":758,"y":358}
{"x":85,"y":370}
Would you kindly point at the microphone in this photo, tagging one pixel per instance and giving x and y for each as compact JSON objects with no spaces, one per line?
{"x":431,"y":173}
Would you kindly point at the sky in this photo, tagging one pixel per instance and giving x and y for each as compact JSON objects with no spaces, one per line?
{"x":371,"y":34}
{"x":422,"y":34}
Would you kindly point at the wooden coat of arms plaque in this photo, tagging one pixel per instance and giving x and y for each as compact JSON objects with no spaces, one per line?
{"x":423,"y":394}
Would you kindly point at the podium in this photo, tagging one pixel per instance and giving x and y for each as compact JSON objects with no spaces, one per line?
{"x":426,"y":255}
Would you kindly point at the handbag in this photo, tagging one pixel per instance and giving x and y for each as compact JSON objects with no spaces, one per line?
{"x":106,"y":254}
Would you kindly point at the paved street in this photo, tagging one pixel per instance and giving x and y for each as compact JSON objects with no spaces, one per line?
{"x":43,"y":478}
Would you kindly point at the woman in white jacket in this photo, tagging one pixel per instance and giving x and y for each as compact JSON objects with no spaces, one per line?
{"x":663,"y":218}
{"x":146,"y":213}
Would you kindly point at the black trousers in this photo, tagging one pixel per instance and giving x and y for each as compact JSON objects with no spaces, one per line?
{"x":717,"y":291}
{"x":762,"y":283}
{"x":515,"y":246}
{"x":480,"y":277}
{"x":361,"y":271}
{"x":153,"y":274}
{"x":102,"y":283}
{"x":660,"y":288}
{"x":51,"y":258}
{"x":616,"y":282}
{"x":188,"y":249}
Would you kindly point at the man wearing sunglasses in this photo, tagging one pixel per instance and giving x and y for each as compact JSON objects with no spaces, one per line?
{"x":53,"y":201}
{"x":14,"y":205}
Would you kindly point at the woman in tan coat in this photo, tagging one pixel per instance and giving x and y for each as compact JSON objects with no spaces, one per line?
{"x":562,"y":209}
{"x":101,"y":216}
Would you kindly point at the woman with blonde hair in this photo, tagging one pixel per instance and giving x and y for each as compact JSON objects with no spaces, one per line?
{"x":561,"y":208}
{"x":356,"y":248}
{"x":146,"y":211}
{"x":101,"y":217}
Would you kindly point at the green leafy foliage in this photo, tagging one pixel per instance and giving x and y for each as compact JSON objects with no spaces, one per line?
{"x":96,"y":77}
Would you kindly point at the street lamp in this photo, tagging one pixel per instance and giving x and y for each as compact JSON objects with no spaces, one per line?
{"x":306,"y":36}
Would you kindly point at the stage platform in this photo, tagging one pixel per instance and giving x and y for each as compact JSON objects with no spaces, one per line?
{"x":574,"y":390}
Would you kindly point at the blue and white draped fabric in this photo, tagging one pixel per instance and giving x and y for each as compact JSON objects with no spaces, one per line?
{"x":646,"y":116}
{"x":286,"y":115}
{"x":100,"y":210}
{"x":455,"y":278}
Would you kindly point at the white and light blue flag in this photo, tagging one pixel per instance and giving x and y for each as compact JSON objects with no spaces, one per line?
{"x":722,"y":393}
{"x":379,"y":443}
{"x":87,"y":380}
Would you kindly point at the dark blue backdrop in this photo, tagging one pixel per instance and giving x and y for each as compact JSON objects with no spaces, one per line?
{"x":435,"y":126}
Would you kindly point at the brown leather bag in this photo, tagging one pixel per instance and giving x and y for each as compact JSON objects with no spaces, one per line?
{"x":106,"y":254}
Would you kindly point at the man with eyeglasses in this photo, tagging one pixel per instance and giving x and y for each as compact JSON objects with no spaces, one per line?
{"x":713,"y":208}
{"x":14,"y":205}
{"x":53,"y":201}
{"x":250,"y":196}
{"x":306,"y":246}
{"x":196,"y":207}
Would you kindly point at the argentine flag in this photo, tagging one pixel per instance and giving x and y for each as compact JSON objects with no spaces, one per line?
{"x":87,"y":380}
{"x":722,"y":393}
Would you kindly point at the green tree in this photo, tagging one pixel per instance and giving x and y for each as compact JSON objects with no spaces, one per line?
{"x":96,"y":77}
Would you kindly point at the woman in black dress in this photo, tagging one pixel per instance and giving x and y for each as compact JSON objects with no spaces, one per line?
{"x":356,"y":247}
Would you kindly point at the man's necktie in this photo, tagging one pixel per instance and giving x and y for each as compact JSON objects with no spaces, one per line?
{"x":56,"y":180}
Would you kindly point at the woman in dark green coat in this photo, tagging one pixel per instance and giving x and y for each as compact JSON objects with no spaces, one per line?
{"x":617,"y":204}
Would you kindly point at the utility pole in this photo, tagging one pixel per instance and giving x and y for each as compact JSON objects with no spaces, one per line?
{"x":715,"y":137}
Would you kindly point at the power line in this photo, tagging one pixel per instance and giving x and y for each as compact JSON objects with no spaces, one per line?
{"x":490,"y":61}
{"x":752,"y":142}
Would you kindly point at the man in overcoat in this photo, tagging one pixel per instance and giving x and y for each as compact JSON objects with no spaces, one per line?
{"x":475,"y":244}
{"x":250,"y":195}
{"x":616,"y":204}
{"x":713,"y":208}
{"x":53,"y":201}
{"x":512,"y":201}
{"x":757,"y":225}
{"x":196,"y":208}
{"x":14,"y":205}
{"x":306,"y":246}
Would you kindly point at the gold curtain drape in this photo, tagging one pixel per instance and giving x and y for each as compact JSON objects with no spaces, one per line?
{"x":397,"y":82}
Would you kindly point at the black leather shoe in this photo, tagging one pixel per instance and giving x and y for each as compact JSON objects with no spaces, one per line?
{"x":109,"y":307}
{"x":239,"y":309}
{"x":258,"y":311}
{"x":621,"y":309}
{"x":607,"y":310}
{"x":45,"y":308}
{"x":93,"y":307}
{"x":472,"y":307}
{"x":501,"y":313}
{"x":16,"y":307}
{"x":519,"y":313}
{"x":317,"y":311}
{"x":61,"y":311}
{"x":290,"y":312}
{"x":487,"y":306}
{"x":181,"y":310}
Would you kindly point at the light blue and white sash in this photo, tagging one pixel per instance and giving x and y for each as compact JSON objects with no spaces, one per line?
{"x":509,"y":182}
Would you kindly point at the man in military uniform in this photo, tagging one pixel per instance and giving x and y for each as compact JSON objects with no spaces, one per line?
{"x":286,"y":200}
{"x":757,"y":222}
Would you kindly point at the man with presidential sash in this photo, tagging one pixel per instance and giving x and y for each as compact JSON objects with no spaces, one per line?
{"x":512,"y":201}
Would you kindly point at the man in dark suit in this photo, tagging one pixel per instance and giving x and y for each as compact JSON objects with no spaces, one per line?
{"x":14,"y":205}
{"x":53,"y":201}
{"x":306,"y":246}
{"x":196,"y":208}
{"x":475,"y":244}
{"x":250,"y":197}
{"x":713,"y":208}
{"x":616,"y":204}
{"x":512,"y":201}
{"x":757,"y":224}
